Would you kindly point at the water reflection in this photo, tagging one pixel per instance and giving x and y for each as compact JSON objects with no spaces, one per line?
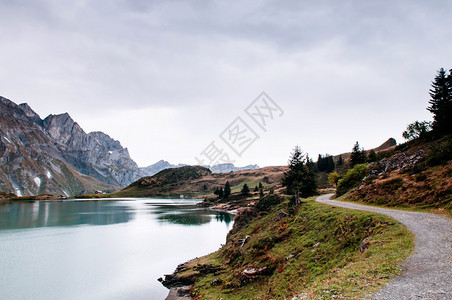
{"x":47,"y":214}
{"x":224,"y":217}
{"x":72,"y":213}
{"x":187,"y":214}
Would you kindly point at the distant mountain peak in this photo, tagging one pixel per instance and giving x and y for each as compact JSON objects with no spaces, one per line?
{"x":219,"y":168}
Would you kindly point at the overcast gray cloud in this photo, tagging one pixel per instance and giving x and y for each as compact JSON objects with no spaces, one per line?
{"x":166,"y":77}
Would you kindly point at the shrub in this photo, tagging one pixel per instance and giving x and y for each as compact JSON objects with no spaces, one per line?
{"x":441,"y":152}
{"x":351,"y":179}
{"x":268,"y":201}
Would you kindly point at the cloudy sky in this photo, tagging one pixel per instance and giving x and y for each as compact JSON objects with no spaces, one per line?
{"x":166,"y":78}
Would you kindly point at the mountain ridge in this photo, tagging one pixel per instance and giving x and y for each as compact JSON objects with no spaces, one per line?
{"x":54,"y":155}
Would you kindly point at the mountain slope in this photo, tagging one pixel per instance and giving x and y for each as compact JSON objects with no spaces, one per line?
{"x":94,"y":154}
{"x":416,"y":174}
{"x":55,"y":155}
{"x":194,"y":181}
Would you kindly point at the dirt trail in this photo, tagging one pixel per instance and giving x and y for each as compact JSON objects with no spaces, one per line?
{"x":427,"y":274}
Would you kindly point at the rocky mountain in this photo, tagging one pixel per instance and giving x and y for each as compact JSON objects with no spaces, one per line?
{"x":56,"y":156}
{"x":94,"y":154}
{"x":228,"y":167}
{"x":219,"y":168}
{"x":157,"y":167}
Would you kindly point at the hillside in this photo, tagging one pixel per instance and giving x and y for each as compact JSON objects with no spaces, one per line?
{"x":219,"y":168}
{"x":311,"y":252}
{"x":196,"y":181}
{"x":341,"y":169}
{"x":417,"y":174}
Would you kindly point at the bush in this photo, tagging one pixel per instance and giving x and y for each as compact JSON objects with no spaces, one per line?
{"x":268,"y":201}
{"x":351,"y":179}
{"x":441,"y":153}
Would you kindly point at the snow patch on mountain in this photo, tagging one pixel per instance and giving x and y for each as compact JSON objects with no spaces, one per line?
{"x":37,"y":180}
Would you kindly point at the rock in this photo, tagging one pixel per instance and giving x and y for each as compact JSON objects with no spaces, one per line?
{"x":250,"y":274}
{"x":364,"y":245}
{"x":182,"y":292}
{"x":208,"y":269}
{"x":216,"y":282}
{"x":290,"y":256}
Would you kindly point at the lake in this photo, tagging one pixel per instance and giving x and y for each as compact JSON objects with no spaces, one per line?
{"x":101,"y":249}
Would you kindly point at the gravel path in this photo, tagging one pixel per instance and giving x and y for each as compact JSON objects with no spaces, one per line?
{"x":427,"y":274}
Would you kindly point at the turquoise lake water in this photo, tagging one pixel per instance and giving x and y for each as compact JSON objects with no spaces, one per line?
{"x":101,"y":249}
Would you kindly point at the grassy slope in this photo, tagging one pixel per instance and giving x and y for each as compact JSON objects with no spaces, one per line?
{"x":324,"y":242}
{"x":427,"y":185}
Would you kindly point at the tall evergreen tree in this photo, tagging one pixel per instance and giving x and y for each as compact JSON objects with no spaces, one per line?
{"x":358,"y":155}
{"x":325,"y":163}
{"x":329,"y":164}
{"x":340,"y":161}
{"x":320,"y":165}
{"x":300,"y":179}
{"x":245,"y":190}
{"x":227,"y":190}
{"x":441,"y":102}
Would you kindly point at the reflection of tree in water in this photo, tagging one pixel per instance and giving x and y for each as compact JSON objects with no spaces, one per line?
{"x":189,"y":215}
{"x":72,"y":213}
{"x":160,"y":209}
{"x":47,"y":214}
{"x":190,"y":218}
{"x":224,"y":217}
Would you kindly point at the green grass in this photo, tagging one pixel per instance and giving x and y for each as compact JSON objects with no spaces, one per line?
{"x":251,"y":184}
{"x":323,"y":243}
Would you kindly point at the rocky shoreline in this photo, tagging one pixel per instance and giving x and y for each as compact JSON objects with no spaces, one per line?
{"x":180,"y":287}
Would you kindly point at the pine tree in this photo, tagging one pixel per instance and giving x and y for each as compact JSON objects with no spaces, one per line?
{"x":329,"y":164}
{"x":227,"y":190}
{"x":300,"y":179}
{"x":325,"y":163}
{"x":220,"y":193}
{"x":358,"y":155}
{"x":441,"y":102}
{"x":340,"y":161}
{"x":320,"y":164}
{"x":310,"y":164}
{"x":245,"y":190}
